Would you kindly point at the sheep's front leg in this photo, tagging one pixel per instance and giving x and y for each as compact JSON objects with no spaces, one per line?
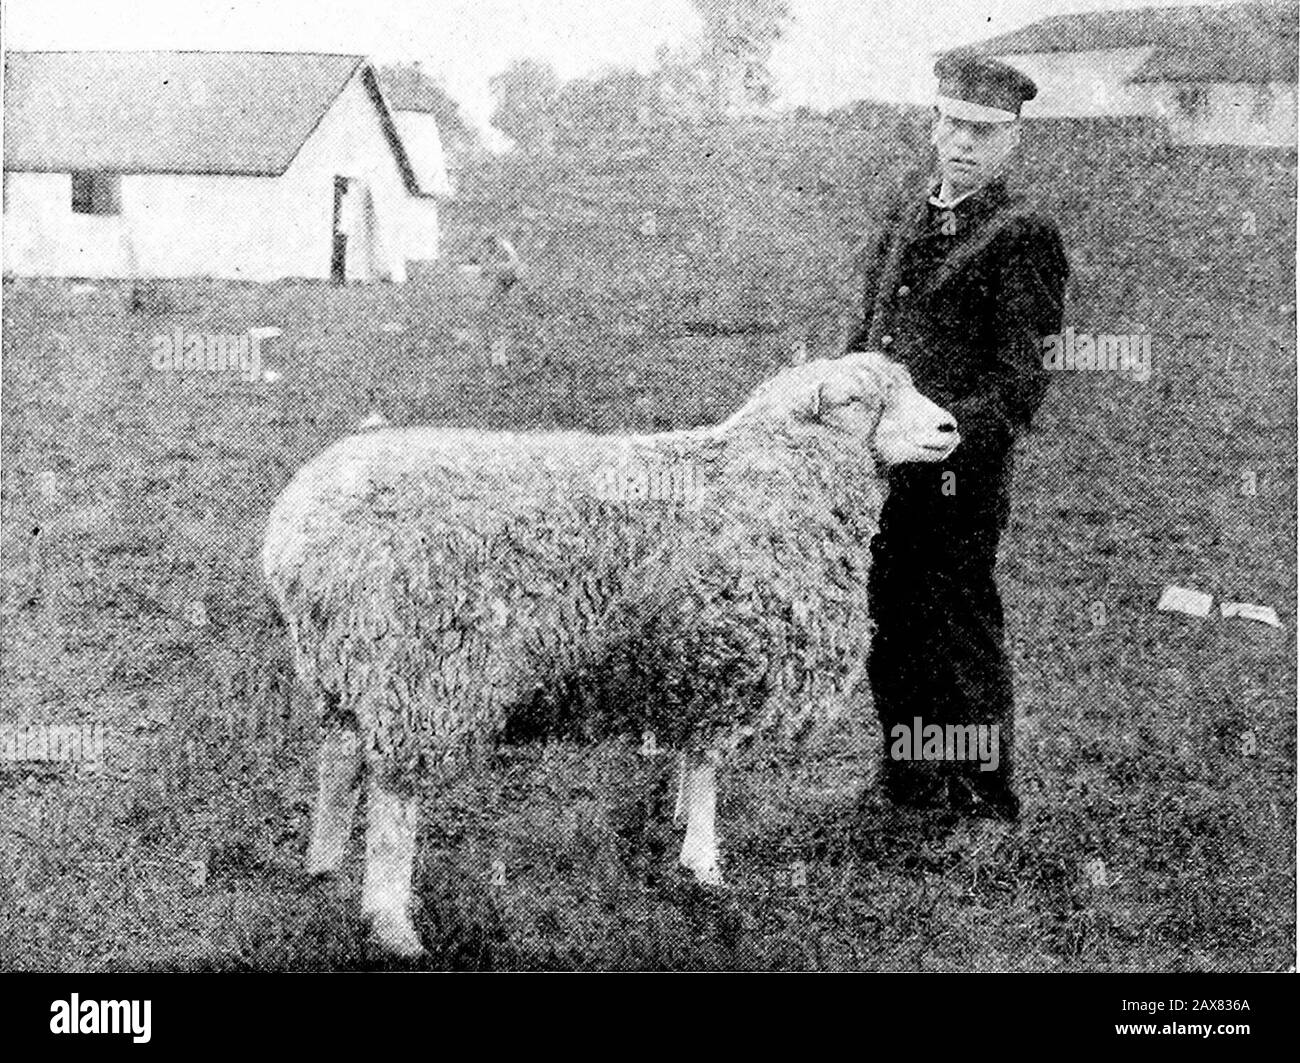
{"x":390,"y":862}
{"x":698,"y":798}
{"x":679,"y":809}
{"x":338,"y":786}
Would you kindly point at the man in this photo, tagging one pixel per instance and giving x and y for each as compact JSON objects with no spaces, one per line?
{"x":502,"y":272}
{"x":964,"y":284}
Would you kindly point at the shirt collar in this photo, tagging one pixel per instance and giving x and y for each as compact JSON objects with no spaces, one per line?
{"x":994,"y":187}
{"x":937,"y":201}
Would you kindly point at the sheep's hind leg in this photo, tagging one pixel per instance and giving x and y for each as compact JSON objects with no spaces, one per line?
{"x":338,"y":786}
{"x":390,"y":863}
{"x":699,"y":796}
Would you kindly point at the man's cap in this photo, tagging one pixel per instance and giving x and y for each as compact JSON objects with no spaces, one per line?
{"x":977,"y":88}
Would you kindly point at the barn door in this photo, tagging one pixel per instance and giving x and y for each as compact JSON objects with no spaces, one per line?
{"x":338,"y":236}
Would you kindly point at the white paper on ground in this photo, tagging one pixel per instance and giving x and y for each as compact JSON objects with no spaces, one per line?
{"x":1182,"y":600}
{"x":1265,"y":614}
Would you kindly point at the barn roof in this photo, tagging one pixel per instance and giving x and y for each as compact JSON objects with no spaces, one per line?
{"x":175,"y":112}
{"x":1238,"y":42}
{"x":1243,"y":59}
{"x":407,"y":88}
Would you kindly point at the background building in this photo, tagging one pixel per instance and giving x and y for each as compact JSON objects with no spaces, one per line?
{"x":250,"y":166}
{"x":1217,"y":75}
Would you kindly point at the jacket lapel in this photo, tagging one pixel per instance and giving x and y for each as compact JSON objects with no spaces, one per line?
{"x":979,"y":225}
{"x":979,"y":228}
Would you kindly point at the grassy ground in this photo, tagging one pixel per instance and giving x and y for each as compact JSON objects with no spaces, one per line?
{"x":1150,"y":840}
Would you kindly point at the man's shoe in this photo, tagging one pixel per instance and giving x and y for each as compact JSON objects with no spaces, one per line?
{"x":911,"y":789}
{"x":906,"y":835}
{"x":994,"y":800}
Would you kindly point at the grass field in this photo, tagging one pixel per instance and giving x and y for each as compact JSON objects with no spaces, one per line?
{"x":1155,"y":836}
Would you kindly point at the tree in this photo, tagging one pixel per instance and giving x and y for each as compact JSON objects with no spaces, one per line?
{"x":526,"y":95}
{"x":737,"y":47}
{"x":724,"y":71}
{"x":607,"y":105}
{"x":683,"y":81}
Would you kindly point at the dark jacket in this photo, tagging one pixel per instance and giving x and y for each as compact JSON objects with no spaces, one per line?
{"x":966,"y":312}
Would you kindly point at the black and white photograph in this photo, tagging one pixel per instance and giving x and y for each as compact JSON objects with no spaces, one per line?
{"x":649,"y":486}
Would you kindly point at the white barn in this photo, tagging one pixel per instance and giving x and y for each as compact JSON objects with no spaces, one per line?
{"x":240,"y":165}
{"x":419,"y":105}
{"x":1216,"y":75}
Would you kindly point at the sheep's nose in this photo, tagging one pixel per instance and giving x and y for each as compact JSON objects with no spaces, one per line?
{"x":948,"y":426}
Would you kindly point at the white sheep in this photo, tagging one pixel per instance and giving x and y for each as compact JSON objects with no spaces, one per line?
{"x":444,"y":585}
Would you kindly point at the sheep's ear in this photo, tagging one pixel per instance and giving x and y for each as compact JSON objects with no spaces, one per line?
{"x":897,"y":372}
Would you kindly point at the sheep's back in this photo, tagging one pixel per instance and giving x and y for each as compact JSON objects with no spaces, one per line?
{"x":446,"y":581}
{"x":467,"y":479}
{"x":467,"y":570}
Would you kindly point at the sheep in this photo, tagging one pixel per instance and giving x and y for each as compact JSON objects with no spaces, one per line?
{"x":441,"y":587}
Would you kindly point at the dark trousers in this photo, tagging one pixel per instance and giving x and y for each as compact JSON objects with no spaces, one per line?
{"x":938,"y":653}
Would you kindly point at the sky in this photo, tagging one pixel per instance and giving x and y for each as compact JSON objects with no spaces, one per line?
{"x":834,"y":51}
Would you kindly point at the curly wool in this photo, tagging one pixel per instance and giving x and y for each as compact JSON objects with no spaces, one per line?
{"x":452,"y":585}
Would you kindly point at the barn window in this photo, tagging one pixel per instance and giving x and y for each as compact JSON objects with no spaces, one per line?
{"x":1193,"y":101}
{"x":96,"y":193}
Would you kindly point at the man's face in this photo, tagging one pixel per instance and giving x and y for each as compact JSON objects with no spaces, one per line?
{"x":972,"y":153}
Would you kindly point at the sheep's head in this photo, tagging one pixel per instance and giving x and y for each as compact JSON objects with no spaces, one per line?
{"x":864,"y":395}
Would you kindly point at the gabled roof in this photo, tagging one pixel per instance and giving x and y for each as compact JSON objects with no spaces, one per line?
{"x":175,"y":112}
{"x":408,"y":89}
{"x":1237,"y":42}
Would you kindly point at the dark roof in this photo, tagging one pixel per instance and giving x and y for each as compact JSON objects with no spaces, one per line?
{"x":1236,"y":42}
{"x":175,"y":112}
{"x":406,"y":88}
{"x":1243,"y":59}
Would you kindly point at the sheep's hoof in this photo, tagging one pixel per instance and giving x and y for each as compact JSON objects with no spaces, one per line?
{"x":396,"y":935}
{"x":706,"y":871}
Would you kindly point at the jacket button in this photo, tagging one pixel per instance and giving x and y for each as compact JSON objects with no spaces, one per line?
{"x":886,"y":341}
{"x":904,"y":290}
